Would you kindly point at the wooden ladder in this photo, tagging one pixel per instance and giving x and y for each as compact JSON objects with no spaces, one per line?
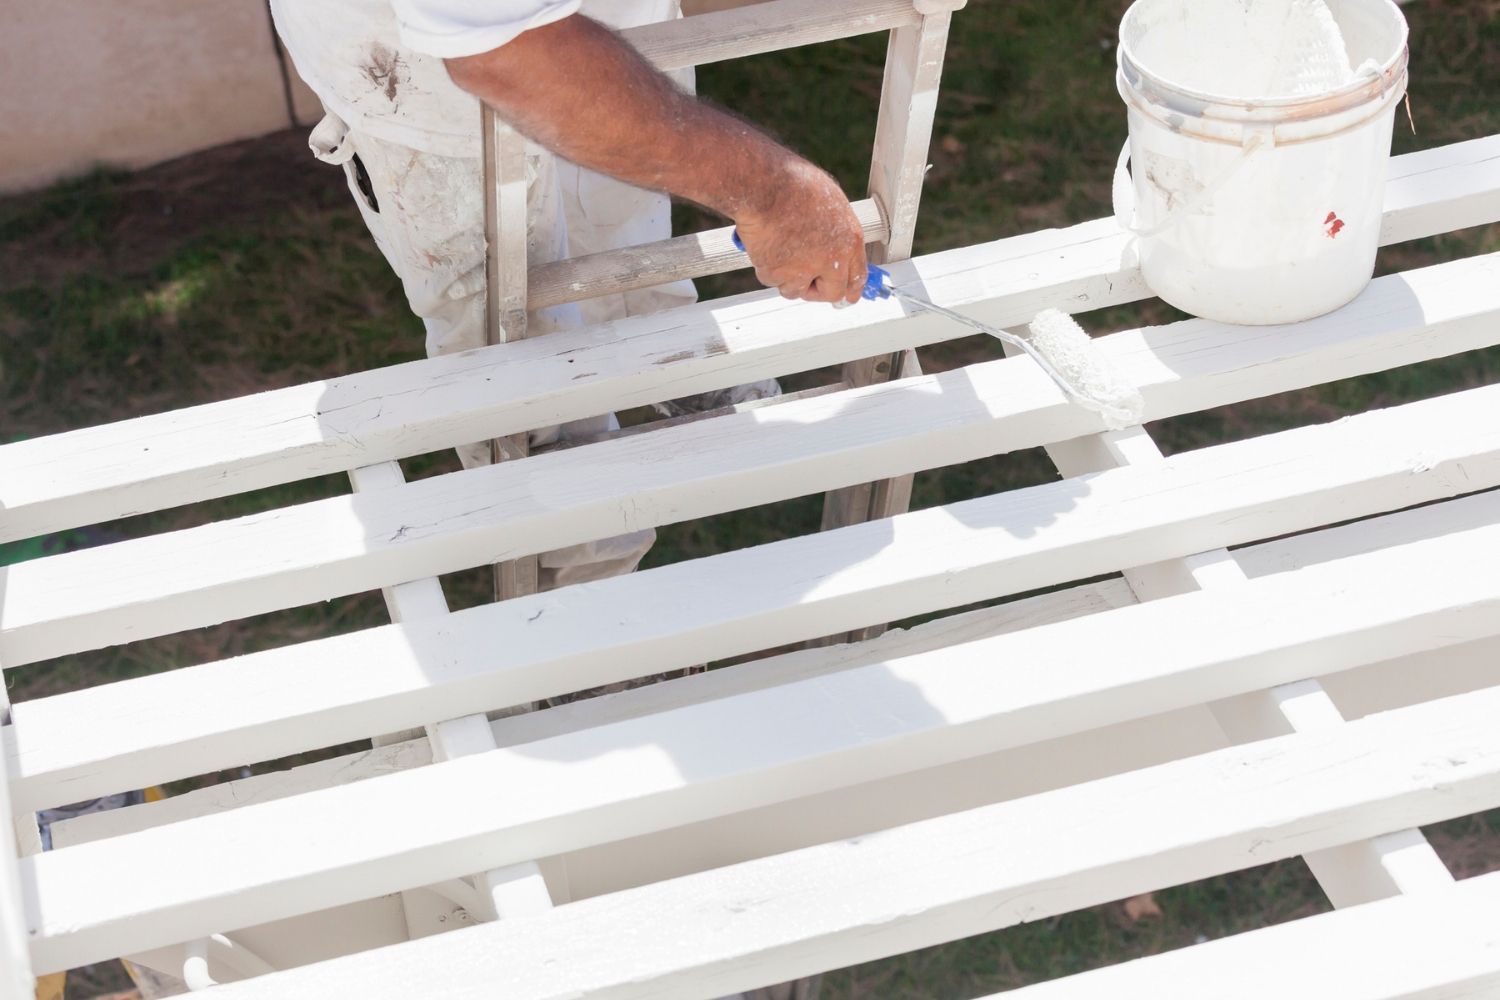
{"x":913,"y":71}
{"x":914,"y":62}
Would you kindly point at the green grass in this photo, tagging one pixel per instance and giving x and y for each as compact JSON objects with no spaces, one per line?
{"x":248,"y":268}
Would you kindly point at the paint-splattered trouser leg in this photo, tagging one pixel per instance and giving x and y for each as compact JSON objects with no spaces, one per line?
{"x":425,"y":212}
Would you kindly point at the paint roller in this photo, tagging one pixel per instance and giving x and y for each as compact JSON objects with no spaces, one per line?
{"x":1054,"y":340}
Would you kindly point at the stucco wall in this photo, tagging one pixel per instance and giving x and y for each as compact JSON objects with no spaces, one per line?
{"x":128,"y":84}
{"x":86,"y":82}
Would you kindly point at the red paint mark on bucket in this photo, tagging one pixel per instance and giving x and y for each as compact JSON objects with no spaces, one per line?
{"x":1334,"y":223}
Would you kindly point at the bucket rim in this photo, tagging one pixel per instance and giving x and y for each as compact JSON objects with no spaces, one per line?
{"x":1197,"y":102}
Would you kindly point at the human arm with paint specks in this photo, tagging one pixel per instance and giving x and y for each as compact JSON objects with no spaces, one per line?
{"x":576,"y":88}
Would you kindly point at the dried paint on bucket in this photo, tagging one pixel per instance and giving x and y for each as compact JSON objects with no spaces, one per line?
{"x":1259,"y":137}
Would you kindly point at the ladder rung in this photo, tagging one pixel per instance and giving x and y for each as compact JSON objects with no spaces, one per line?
{"x":696,"y":255}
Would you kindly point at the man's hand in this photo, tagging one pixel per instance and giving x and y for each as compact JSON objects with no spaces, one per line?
{"x":808,"y":243}
{"x":577,"y":89}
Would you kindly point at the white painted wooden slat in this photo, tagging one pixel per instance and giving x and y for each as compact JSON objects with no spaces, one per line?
{"x":796,"y":739}
{"x":299,"y":555}
{"x":794,"y":825}
{"x":16,"y":982}
{"x":246,"y":791}
{"x":1433,"y":946}
{"x":224,"y":448}
{"x":633,"y":703}
{"x":1278,"y":556}
{"x":233,"y":569}
{"x":321,"y":693}
{"x":1405,"y":528}
{"x":763,"y":27}
{"x":1443,"y":189}
{"x":24,"y":826}
{"x":1351,"y":873}
{"x":919,"y":885}
{"x":237,"y":445}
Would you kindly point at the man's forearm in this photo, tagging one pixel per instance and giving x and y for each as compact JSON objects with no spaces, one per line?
{"x":580,"y":91}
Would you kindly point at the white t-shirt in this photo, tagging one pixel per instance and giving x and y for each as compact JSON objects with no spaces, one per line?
{"x":378,"y":64}
{"x":451,"y":28}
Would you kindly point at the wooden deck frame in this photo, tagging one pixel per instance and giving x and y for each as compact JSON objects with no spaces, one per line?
{"x":995,"y":867}
{"x":1325,"y":801}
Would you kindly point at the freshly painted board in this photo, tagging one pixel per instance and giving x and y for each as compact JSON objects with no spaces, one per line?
{"x":795,"y":739}
{"x":1282,"y":555}
{"x":1278,"y":556}
{"x":1437,"y":945}
{"x":16,"y":982}
{"x":299,"y":555}
{"x":1442,"y":189}
{"x":1351,"y":873}
{"x":219,"y":449}
{"x":321,"y":693}
{"x":911,"y":887}
{"x":632,"y":703}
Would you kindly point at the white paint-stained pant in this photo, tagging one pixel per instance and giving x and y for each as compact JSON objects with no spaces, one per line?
{"x":425,"y":206}
{"x":426,"y":213}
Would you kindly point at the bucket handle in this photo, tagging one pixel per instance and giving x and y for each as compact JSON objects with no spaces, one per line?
{"x":1123,"y":193}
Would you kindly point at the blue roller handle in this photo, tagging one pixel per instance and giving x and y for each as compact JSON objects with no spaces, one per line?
{"x":877,"y":279}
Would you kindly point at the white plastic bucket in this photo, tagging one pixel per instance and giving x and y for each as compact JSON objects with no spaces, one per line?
{"x":1251,"y":209}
